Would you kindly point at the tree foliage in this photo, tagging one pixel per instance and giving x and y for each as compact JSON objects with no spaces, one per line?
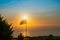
{"x":5,"y":30}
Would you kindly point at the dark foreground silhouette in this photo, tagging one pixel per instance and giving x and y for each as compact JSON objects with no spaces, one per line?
{"x":20,"y":37}
{"x":49,"y":37}
{"x":5,"y":30}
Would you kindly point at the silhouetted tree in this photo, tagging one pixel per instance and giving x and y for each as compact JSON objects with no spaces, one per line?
{"x":5,"y":30}
{"x":50,"y":37}
{"x":20,"y":37}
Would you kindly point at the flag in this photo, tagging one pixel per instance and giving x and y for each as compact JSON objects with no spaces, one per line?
{"x":23,"y":22}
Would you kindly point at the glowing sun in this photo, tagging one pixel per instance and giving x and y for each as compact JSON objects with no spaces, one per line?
{"x":25,"y":17}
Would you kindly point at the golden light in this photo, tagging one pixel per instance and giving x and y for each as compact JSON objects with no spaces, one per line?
{"x":25,"y":17}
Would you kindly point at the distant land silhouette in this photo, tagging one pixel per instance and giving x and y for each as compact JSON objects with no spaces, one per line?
{"x":49,"y":37}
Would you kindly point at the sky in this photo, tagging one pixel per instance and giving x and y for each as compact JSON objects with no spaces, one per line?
{"x":43,"y":16}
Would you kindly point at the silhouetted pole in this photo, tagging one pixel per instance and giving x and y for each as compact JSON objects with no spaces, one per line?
{"x":25,"y":26}
{"x":26,"y":29}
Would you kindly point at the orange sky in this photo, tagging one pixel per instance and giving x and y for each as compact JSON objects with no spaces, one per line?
{"x":33,"y":21}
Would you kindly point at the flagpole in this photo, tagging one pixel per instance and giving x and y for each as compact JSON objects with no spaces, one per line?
{"x":26,"y":29}
{"x":25,"y":26}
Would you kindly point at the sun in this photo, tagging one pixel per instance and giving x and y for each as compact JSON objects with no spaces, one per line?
{"x":25,"y":17}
